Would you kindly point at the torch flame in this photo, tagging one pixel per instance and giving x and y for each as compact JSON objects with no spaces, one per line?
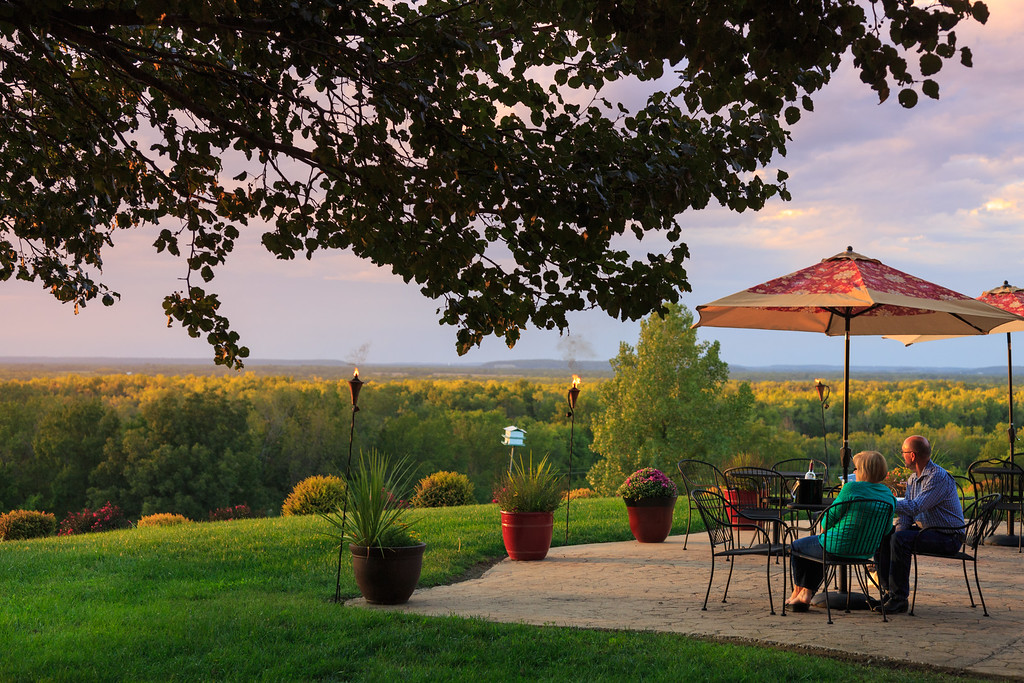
{"x":575,"y":381}
{"x":355,"y":375}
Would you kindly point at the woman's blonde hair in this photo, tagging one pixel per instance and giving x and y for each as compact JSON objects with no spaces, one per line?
{"x":871,"y":466}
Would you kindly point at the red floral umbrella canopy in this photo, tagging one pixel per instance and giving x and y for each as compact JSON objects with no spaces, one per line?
{"x":1008,"y":298}
{"x":851,"y":294}
{"x":875,"y":298}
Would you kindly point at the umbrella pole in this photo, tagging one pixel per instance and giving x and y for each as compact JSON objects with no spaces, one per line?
{"x":844,"y":453}
{"x":1009,"y":538}
{"x":843,"y":597}
{"x":1009,"y":383}
{"x":1011,"y":432}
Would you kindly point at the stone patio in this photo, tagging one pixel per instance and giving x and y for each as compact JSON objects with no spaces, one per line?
{"x":660,"y":587}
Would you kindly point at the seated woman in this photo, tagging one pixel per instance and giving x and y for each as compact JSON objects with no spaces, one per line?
{"x":871,"y":470}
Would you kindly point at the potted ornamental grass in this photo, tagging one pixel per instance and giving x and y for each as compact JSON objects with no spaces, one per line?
{"x":650,"y":497}
{"x":528,"y":496}
{"x":387,"y":557}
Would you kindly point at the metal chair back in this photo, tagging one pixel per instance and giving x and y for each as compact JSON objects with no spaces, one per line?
{"x":1006,"y":478}
{"x":697,"y":474}
{"x":852,"y":532}
{"x":723,"y":535}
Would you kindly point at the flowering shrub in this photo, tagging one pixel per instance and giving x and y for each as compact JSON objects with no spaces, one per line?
{"x":443,"y":489}
{"x":579,"y":493}
{"x":647,"y":483}
{"x":315,"y":495}
{"x":107,"y":518}
{"x":897,"y":479}
{"x":229,"y":513}
{"x":18,"y":525}
{"x":163,"y":519}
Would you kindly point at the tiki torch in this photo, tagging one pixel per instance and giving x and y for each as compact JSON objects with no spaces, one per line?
{"x":574,"y":393}
{"x":354,"y":385}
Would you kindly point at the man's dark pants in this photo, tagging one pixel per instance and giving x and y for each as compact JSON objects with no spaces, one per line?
{"x":893,"y":557}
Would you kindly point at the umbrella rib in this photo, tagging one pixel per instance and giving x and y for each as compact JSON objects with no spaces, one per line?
{"x":968,"y":323}
{"x":839,"y":311}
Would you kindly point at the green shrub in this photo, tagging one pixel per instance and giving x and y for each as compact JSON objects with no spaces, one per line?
{"x":18,"y":525}
{"x":443,"y":489}
{"x":163,"y":519}
{"x":313,"y":495}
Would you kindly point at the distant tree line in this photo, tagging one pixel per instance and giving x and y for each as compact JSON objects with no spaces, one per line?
{"x":192,"y":444}
{"x":188,"y":445}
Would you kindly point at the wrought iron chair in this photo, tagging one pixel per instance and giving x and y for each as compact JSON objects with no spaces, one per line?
{"x":979,"y":518}
{"x":853,"y":545}
{"x":723,"y":534}
{"x":1005,"y":478}
{"x":757,"y":495}
{"x":697,"y":474}
{"x":965,"y":489}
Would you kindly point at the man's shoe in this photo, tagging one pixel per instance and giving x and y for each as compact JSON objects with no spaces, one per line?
{"x":896,"y":605}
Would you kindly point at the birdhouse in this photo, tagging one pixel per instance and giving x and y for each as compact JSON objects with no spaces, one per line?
{"x":514,"y":436}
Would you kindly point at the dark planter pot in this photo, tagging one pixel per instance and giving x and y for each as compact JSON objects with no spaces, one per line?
{"x":527,"y":535}
{"x":387,"y":576}
{"x":650,"y":519}
{"x":741,"y":499}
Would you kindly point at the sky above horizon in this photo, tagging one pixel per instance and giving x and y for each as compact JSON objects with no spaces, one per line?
{"x":936,"y":191}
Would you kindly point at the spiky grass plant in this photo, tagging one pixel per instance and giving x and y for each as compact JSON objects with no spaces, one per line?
{"x":529,"y":488}
{"x":378,"y":503}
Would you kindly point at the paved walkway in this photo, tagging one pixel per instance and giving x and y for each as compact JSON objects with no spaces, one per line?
{"x":660,"y":587}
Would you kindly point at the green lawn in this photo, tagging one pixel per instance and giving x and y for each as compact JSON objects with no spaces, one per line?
{"x":252,"y":600}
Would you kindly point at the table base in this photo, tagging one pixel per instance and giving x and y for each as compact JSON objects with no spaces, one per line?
{"x":1004,"y":539}
{"x":837,"y":600}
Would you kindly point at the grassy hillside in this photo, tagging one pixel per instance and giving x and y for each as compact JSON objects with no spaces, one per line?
{"x":251,"y":600}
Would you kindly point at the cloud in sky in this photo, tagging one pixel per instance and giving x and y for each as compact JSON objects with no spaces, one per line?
{"x":937,"y":191}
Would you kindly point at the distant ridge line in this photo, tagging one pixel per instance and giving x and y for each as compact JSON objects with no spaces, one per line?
{"x":544,"y":365}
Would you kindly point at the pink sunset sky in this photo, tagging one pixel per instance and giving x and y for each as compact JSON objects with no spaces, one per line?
{"x":936,"y":191}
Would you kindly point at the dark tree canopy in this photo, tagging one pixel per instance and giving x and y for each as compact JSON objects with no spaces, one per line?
{"x":475,"y":147}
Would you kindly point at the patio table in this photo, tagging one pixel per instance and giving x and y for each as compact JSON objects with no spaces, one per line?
{"x":1006,"y":478}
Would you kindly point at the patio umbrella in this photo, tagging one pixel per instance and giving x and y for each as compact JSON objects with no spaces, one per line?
{"x":1008,"y":298}
{"x":851,"y":294}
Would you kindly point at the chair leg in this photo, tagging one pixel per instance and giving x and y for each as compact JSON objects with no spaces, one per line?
{"x":978,"y":584}
{"x":728,"y":579}
{"x":913,"y":600}
{"x":968,"y":582}
{"x":881,"y":596}
{"x":768,"y":575}
{"x":710,"y":580}
{"x":828,"y":606}
{"x":689,"y":516}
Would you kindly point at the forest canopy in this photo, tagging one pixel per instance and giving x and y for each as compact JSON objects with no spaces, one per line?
{"x":483,"y":150}
{"x":189,"y":445}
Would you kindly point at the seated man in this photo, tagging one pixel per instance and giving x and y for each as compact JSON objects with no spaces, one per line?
{"x":931,"y":500}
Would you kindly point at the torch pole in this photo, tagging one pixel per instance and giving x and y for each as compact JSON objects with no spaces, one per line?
{"x":574,"y":393}
{"x":354,"y":385}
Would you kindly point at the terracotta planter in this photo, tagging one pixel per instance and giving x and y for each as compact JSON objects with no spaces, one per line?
{"x":527,"y":535}
{"x":387,"y":576}
{"x":650,"y":519}
{"x":740,"y":499}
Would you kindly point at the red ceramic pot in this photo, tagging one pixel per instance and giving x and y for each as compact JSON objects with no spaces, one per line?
{"x":650,"y":519}
{"x":737,"y":500}
{"x":527,"y":535}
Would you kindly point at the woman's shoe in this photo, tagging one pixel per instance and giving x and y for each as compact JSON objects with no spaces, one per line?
{"x":798,"y":606}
